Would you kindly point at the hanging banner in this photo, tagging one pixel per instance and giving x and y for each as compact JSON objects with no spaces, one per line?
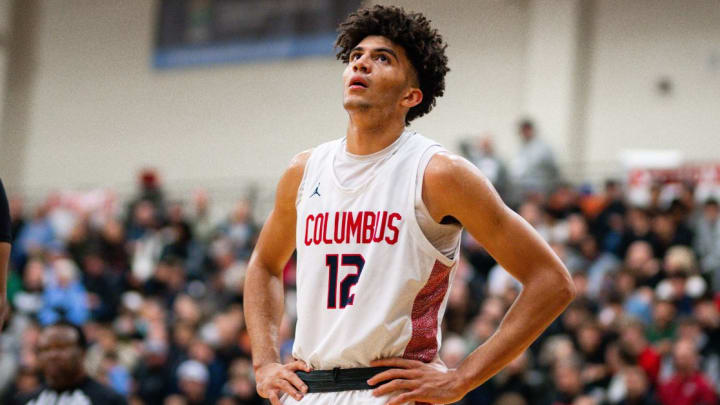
{"x":207,"y":32}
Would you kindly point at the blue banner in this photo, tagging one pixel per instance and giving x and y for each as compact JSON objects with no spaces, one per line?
{"x":207,"y":32}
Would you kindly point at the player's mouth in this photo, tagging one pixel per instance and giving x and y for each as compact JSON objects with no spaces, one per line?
{"x":358,"y":82}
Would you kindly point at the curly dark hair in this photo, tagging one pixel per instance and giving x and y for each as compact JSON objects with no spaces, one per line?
{"x":423,"y":45}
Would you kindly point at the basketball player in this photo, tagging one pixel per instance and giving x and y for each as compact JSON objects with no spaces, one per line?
{"x":376,"y":219}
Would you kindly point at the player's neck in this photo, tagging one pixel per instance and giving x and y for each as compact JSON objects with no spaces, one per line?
{"x":368,"y":133}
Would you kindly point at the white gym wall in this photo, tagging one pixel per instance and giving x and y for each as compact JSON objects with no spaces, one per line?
{"x":83,"y":106}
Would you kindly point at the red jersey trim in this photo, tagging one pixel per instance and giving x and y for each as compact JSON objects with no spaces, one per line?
{"x":423,"y":344}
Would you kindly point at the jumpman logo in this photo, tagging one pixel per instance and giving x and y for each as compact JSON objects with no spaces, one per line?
{"x":316,"y":191}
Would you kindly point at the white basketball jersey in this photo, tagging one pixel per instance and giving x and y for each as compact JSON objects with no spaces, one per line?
{"x":369,"y":283}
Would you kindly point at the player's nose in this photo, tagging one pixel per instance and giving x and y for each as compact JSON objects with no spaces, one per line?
{"x":361,"y":64}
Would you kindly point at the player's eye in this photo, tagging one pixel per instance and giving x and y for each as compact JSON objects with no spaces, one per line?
{"x":382,"y":58}
{"x":354,"y":56}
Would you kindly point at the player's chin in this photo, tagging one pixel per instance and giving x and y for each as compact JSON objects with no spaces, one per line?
{"x":352,"y":102}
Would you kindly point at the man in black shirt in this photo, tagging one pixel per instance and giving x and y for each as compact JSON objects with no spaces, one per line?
{"x":61,"y":352}
{"x":5,"y":239}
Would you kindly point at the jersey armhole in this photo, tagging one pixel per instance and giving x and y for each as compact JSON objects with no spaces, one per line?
{"x":419,"y":205}
{"x":420,"y":179}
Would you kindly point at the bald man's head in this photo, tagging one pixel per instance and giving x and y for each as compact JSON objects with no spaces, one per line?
{"x":685,"y":356}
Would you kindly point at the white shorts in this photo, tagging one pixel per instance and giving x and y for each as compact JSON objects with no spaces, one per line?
{"x":356,"y":397}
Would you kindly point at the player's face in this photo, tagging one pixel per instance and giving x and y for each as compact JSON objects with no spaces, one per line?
{"x":379,"y":75}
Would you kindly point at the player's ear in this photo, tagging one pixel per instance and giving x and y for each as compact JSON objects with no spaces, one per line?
{"x":413,"y":96}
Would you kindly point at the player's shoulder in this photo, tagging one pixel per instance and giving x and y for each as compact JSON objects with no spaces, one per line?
{"x":299,"y":161}
{"x":450,"y":176}
{"x":454,"y":186}
{"x":445,"y":166}
{"x":442,"y":166}
{"x":293,"y":175}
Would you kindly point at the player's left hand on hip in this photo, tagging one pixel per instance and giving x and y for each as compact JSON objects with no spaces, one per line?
{"x":418,"y":381}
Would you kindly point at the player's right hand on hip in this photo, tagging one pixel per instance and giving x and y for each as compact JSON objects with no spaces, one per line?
{"x":274,"y":378}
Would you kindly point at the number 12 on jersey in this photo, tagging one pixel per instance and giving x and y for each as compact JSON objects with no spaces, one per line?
{"x":333,"y":263}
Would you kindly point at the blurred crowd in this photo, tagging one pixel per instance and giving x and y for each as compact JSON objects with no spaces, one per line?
{"x":156,"y":285}
{"x":645,"y":326}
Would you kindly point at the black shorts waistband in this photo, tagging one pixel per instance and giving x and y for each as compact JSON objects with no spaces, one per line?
{"x":340,"y":379}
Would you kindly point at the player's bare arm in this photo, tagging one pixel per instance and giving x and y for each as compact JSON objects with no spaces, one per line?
{"x":454,"y":187}
{"x":263,"y":290}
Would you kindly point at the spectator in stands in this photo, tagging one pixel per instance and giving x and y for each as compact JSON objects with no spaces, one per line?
{"x":681,"y":284}
{"x":641,"y":263}
{"x":178,"y":233}
{"x":636,"y":345}
{"x":150,"y":191}
{"x":200,"y":216}
{"x":687,"y":386}
{"x":707,"y":241}
{"x":34,"y":238}
{"x":638,"y":389}
{"x":481,"y":152}
{"x":144,"y":220}
{"x":152,"y":376}
{"x":202,"y":351}
{"x":146,"y":241}
{"x":240,"y":229}
{"x":104,"y":287}
{"x":613,"y":203}
{"x":520,"y":378}
{"x":241,"y":384}
{"x":600,"y":265}
{"x":533,"y":169}
{"x":563,"y":202}
{"x":112,"y":244}
{"x":114,"y":374}
{"x":661,"y":332}
{"x":192,"y":380}
{"x":61,"y":348}
{"x":533,"y":213}
{"x":707,"y":314}
{"x":639,"y":228}
{"x":108,"y":344}
{"x":61,"y":215}
{"x":591,"y":348}
{"x":567,"y":383}
{"x":167,"y":281}
{"x":29,"y":300}
{"x":65,"y":296}
{"x":667,"y":232}
{"x":689,"y":329}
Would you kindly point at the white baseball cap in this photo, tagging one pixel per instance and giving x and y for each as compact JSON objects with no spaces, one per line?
{"x":193,"y":370}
